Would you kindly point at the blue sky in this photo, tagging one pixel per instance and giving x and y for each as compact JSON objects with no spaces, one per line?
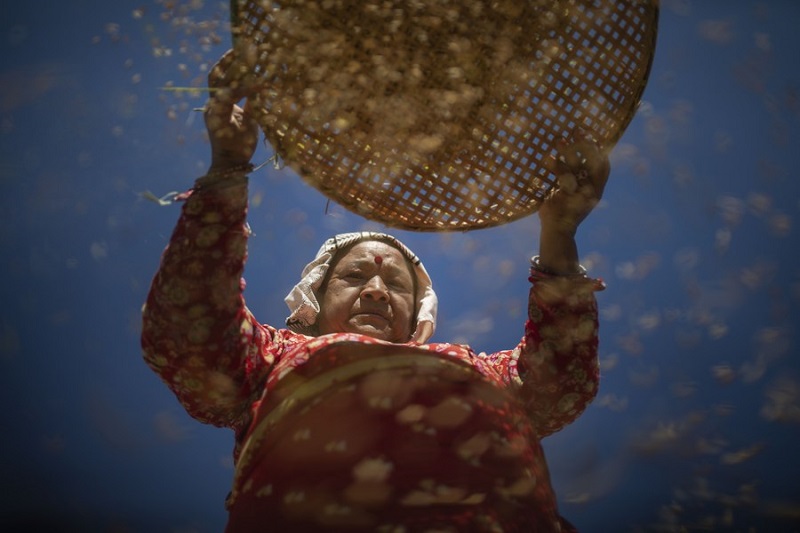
{"x":699,"y":409}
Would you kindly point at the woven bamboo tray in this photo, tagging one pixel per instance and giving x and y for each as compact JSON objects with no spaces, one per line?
{"x":438,"y":115}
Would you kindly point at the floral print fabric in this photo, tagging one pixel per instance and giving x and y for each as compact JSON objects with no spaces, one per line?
{"x":348,"y":433}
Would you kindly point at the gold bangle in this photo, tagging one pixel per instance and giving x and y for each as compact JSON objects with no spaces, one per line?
{"x":538,"y":268}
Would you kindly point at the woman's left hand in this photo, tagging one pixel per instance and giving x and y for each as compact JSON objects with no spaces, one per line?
{"x":582,"y":170}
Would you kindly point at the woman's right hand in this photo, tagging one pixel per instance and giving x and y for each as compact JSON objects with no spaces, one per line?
{"x":232,"y":130}
{"x":582,"y":170}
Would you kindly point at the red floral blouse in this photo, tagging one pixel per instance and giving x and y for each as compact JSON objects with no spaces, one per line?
{"x":348,"y":433}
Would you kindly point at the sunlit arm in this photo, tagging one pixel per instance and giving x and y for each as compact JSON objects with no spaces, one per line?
{"x":557,"y":359}
{"x":197,"y":334}
{"x":557,"y":249}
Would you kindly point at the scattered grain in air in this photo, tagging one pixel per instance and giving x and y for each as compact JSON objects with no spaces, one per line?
{"x":740,"y":456}
{"x":782,"y":402}
{"x":717,"y":31}
{"x":112,"y":29}
{"x":759,"y":203}
{"x":99,"y":250}
{"x":649,"y":321}
{"x":686,"y":259}
{"x":752,"y":371}
{"x":613,"y":402}
{"x":724,"y":374}
{"x":780,"y":224}
{"x":722,"y":141}
{"x":722,"y":240}
{"x":762,"y":41}
{"x":644,"y":378}
{"x":626,"y":270}
{"x":683,"y":389}
{"x":609,"y":362}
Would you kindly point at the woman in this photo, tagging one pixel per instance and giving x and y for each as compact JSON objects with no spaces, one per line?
{"x":348,"y":420}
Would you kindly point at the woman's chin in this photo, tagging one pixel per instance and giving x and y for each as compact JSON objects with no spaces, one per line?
{"x":371,"y":332}
{"x":372,"y":326}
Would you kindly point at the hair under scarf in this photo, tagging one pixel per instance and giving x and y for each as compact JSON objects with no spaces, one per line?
{"x":302,"y":299}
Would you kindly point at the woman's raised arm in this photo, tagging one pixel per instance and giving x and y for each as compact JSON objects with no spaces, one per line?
{"x":558,"y":360}
{"x":197,"y":333}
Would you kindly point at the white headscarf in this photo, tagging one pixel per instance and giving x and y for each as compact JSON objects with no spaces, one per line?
{"x":302,"y":300}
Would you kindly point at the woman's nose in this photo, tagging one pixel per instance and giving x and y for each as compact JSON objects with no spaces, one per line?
{"x":375,"y":289}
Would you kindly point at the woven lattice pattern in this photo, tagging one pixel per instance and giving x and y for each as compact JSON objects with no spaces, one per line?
{"x":438,"y":115}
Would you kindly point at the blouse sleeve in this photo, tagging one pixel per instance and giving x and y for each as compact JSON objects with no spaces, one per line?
{"x":556,"y":364}
{"x":197,"y":333}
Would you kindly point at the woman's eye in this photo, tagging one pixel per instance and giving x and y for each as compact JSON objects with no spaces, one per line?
{"x":397,"y":285}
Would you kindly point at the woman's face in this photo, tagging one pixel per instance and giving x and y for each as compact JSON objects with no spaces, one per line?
{"x":370,"y":291}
